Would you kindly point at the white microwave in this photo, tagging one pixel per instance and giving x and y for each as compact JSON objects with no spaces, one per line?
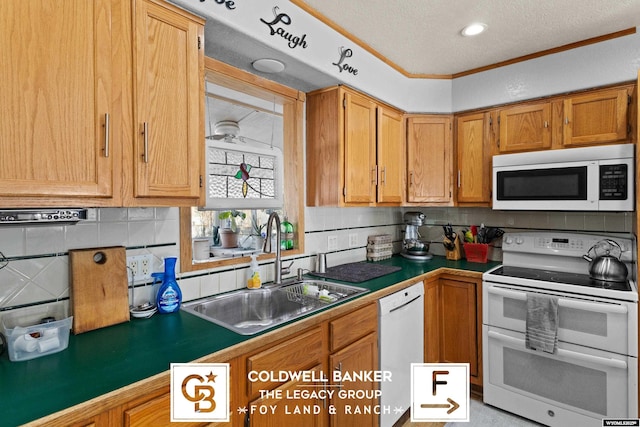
{"x":576,"y":179}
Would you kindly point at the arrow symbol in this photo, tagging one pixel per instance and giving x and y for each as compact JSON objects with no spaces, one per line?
{"x":452,"y":405}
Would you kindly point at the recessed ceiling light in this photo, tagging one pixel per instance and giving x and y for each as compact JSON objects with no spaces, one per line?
{"x":473,"y":29}
{"x":267,"y":65}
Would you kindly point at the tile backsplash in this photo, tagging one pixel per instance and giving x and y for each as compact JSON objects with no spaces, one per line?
{"x":37,"y":271}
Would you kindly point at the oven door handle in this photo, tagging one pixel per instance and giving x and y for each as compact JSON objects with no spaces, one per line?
{"x":597,"y":360}
{"x":593,"y":306}
{"x":507,"y":293}
{"x":564,"y":302}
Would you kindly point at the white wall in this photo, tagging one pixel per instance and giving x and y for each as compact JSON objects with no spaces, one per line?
{"x":611,"y":61}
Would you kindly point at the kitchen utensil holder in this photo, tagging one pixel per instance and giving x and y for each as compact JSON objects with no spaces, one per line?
{"x":455,"y":253}
{"x":476,"y":252}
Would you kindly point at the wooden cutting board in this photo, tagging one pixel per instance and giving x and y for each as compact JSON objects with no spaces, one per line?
{"x":99,"y":288}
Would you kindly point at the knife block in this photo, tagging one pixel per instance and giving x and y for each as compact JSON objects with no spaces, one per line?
{"x":456,"y":253}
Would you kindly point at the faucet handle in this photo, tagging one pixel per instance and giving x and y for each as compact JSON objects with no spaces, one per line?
{"x":287,"y":269}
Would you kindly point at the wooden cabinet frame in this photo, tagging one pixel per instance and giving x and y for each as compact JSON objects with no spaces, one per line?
{"x":355,"y":150}
{"x":293,"y":102}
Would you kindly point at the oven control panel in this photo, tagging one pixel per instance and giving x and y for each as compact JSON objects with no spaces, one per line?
{"x":568,"y":244}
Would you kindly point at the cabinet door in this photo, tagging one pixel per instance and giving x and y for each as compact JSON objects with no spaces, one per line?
{"x":360,"y":356}
{"x":432,"y":321}
{"x":595,"y":118}
{"x":474,"y":164}
{"x":55,"y":81}
{"x":458,"y":309}
{"x":157,"y":413}
{"x":359,"y":149}
{"x":168,"y":102}
{"x":429,"y":159}
{"x":289,"y":409}
{"x":525,"y":128}
{"x":391,"y":148}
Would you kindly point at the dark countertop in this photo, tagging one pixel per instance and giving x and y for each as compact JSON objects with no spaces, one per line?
{"x":107,"y":359}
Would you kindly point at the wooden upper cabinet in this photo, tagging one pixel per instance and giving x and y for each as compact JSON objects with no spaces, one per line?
{"x":56,"y":86}
{"x":390,"y":160}
{"x":595,"y":118}
{"x":525,"y":128}
{"x":168,"y":94}
{"x":359,"y":149}
{"x":473,"y":158}
{"x":355,"y":150}
{"x":429,"y":159}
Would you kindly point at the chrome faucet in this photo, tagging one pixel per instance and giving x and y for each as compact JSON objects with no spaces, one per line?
{"x":267,"y":248}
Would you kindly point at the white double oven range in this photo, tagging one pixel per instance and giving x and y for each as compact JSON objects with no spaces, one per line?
{"x":591,"y":373}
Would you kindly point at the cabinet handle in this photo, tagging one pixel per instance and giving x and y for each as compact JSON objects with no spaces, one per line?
{"x":374,"y":175}
{"x":566,"y":120}
{"x":546,"y":124}
{"x":459,"y":177}
{"x":339,"y":369}
{"x":410,"y":178}
{"x":384,"y":175}
{"x":145,"y":132}
{"x":106,"y":134}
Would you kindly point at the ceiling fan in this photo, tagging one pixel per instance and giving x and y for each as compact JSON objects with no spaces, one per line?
{"x":229,"y":131}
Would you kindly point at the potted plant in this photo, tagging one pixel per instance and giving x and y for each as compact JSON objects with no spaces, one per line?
{"x":256,"y":231}
{"x":229,"y":228}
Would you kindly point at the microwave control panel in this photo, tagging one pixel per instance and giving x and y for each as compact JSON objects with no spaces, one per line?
{"x":613,"y":182}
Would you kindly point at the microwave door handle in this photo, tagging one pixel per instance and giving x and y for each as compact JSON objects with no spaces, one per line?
{"x":593,"y":184}
{"x":596,"y":360}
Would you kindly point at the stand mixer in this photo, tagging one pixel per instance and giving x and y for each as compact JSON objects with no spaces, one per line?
{"x":412,"y":247}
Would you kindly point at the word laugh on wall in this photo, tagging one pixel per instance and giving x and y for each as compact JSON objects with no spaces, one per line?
{"x":282,"y":18}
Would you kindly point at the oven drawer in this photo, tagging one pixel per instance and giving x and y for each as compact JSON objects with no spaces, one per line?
{"x":587,"y":321}
{"x":575,"y":380}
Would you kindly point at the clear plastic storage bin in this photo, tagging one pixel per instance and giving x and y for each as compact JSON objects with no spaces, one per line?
{"x":36,"y":331}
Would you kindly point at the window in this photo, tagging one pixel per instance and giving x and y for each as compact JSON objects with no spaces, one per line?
{"x":226,"y":86}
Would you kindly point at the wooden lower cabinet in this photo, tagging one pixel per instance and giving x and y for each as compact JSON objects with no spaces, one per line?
{"x":278,"y":412}
{"x":432,"y":320}
{"x":100,"y":420}
{"x":156,"y":412}
{"x":347,"y":343}
{"x":453,"y":322}
{"x":360,"y":356}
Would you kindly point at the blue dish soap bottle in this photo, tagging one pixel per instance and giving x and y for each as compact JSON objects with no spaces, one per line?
{"x":169,"y":295}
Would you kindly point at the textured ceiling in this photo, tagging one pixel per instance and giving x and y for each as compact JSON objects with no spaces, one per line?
{"x":423,"y":36}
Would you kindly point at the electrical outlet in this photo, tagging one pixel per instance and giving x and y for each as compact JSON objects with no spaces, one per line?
{"x":145,"y":266}
{"x":332,"y":243}
{"x":132,"y":266}
{"x":353,"y":240}
{"x":140,"y":266}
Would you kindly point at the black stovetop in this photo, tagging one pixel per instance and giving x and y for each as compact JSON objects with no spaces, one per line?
{"x":560,"y":277}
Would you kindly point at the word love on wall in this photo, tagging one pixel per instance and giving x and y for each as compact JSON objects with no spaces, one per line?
{"x":276,"y":29}
{"x":229,"y":4}
{"x":344,"y":66}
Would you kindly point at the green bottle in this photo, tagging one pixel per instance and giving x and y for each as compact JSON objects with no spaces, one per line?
{"x":287,"y":235}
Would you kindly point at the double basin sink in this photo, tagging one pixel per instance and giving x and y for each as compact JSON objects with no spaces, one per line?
{"x":250,"y":311}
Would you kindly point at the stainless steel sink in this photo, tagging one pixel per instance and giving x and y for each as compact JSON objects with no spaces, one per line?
{"x":249,"y":311}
